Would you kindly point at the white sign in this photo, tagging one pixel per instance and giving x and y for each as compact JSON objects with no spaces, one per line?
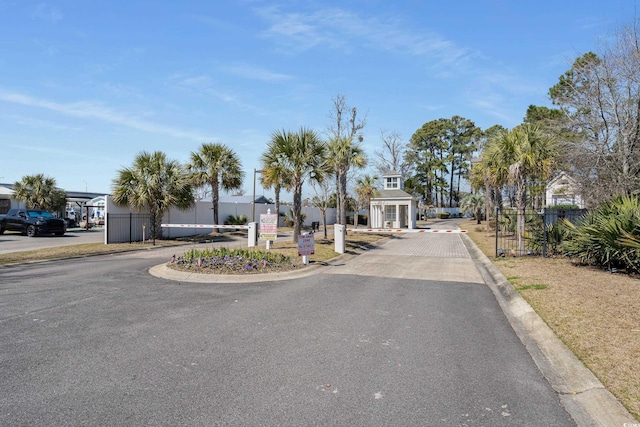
{"x":306,"y":244}
{"x":268,"y":226}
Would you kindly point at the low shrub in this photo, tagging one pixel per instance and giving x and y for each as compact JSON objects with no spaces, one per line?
{"x":236,"y":220}
{"x":288,"y":218}
{"x":224,"y":260}
{"x":442,"y":215}
{"x":556,"y":235}
{"x":607,"y":236}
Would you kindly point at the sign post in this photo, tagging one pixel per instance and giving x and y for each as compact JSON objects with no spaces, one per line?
{"x":268,"y":227}
{"x":306,"y":246}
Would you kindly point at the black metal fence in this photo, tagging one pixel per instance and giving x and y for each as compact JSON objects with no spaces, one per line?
{"x":129,"y":227}
{"x":540,"y":232}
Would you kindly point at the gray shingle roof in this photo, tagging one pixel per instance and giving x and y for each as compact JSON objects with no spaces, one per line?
{"x":392,"y":194}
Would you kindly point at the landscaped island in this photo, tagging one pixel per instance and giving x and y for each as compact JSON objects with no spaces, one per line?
{"x":233,"y":261}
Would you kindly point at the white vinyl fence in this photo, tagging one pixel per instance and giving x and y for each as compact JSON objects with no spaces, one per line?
{"x":123,"y":225}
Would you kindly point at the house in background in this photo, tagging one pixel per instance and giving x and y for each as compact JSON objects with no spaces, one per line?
{"x":393,"y":207}
{"x":563,"y":190}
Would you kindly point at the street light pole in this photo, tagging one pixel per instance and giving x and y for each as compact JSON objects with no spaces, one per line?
{"x":253,"y":200}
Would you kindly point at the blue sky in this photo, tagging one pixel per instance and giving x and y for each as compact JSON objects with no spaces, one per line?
{"x":86,"y":85}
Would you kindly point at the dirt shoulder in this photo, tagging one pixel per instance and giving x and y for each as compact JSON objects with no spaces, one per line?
{"x":594,"y":312}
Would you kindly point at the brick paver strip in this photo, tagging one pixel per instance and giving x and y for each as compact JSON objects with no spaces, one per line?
{"x":428,"y":245}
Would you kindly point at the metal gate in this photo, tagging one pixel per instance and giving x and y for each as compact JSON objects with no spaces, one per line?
{"x":531,"y":232}
{"x":129,"y":227}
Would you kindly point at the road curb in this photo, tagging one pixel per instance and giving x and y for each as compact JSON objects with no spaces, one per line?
{"x":163,"y":271}
{"x":584,"y":397}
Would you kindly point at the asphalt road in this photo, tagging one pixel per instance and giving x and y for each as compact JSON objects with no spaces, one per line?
{"x":98,"y":341}
{"x":15,"y":242}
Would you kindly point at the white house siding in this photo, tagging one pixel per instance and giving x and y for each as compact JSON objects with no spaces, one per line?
{"x":563,"y":190}
{"x":405,"y":212}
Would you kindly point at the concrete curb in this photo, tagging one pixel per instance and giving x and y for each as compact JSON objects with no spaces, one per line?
{"x":582,"y":394}
{"x":164,"y":272}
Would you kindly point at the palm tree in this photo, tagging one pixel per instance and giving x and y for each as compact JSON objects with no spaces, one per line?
{"x":322,"y":202}
{"x":39,"y":192}
{"x":273,"y":174}
{"x":153,"y":182}
{"x":366,"y":189}
{"x":343,"y":155}
{"x":523,"y":155}
{"x":474,"y":203}
{"x":217,"y":166}
{"x":303,"y":156}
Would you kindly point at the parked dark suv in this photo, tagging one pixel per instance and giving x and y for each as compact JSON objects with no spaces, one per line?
{"x":32,"y":222}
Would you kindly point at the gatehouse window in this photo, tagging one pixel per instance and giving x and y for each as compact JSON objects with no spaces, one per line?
{"x":392,"y":182}
{"x":390,"y":213}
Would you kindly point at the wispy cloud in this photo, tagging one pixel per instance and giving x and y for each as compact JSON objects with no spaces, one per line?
{"x":46,"y":12}
{"x":86,"y":109}
{"x":342,"y":29}
{"x":39,"y":123}
{"x":498,"y":107}
{"x":297,"y":31}
{"x":49,"y":48}
{"x":595,"y":22}
{"x":213,"y":22}
{"x":205,"y":85}
{"x":256,"y":73}
{"x":58,"y":151}
{"x":430,"y":107}
{"x":513,"y":83}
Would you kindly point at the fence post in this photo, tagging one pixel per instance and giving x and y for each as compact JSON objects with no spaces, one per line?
{"x":544,"y":232}
{"x":153,"y":227}
{"x":496,"y":254}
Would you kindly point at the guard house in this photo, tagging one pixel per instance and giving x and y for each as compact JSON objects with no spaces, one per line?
{"x":393,"y":208}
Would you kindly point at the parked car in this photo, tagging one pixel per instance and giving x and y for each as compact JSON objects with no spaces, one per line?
{"x":32,"y":222}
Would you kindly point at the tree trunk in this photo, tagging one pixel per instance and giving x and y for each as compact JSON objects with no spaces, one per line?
{"x":458,"y":189}
{"x":369,"y":215}
{"x":338,"y":202}
{"x":343,"y":198}
{"x":215,"y":197}
{"x":297,"y":209}
{"x":156,"y":218}
{"x":276,"y":188}
{"x":486,"y":202}
{"x":453,"y":162}
{"x":324,"y":222}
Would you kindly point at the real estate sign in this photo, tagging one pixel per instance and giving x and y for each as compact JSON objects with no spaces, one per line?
{"x":268,"y":226}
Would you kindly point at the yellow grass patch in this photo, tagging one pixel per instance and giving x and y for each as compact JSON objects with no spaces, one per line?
{"x":595,"y":313}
